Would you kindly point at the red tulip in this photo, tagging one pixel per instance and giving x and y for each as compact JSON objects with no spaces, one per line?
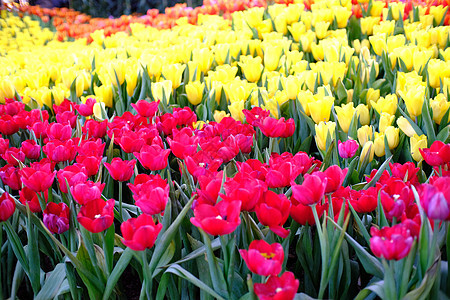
{"x":246,"y":189}
{"x":152,"y":196}
{"x":67,"y":117}
{"x":90,"y":163}
{"x":255,"y":115}
{"x":39,"y":177}
{"x":7,"y":125}
{"x":262,"y":258}
{"x":7,"y":207}
{"x":140,"y":233}
{"x":57,"y":131}
{"x":121,"y":170}
{"x":4,"y":145}
{"x":311,"y":191}
{"x":59,"y":151}
{"x":129,"y":141}
{"x":273,"y":211}
{"x":92,"y":147}
{"x":11,"y":177}
{"x":153,"y":157}
{"x":201,"y":163}
{"x":209,"y":188}
{"x":253,"y":168}
{"x":56,"y":217}
{"x":303,"y":214}
{"x":13,"y":156}
{"x":94,"y":128}
{"x":97,"y":215}
{"x":366,"y":200}
{"x":184,"y":116}
{"x":272,"y":127}
{"x":220,"y":219}
{"x":407,"y":172}
{"x":84,"y":192}
{"x":435,"y":199}
{"x":146,"y":109}
{"x":73,"y":174}
{"x":31,"y":149}
{"x":39,"y":129}
{"x":278,"y":288}
{"x":395,"y":196}
{"x":86,"y":109}
{"x":334,"y":177}
{"x":391,"y":242}
{"x":27,"y":196}
{"x":438,"y":154}
{"x":183,"y":143}
{"x":348,"y":148}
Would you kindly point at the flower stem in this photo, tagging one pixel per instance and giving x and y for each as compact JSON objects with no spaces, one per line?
{"x":120,"y":199}
{"x":147,"y":276}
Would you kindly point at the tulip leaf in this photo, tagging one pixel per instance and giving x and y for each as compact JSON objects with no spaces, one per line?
{"x":33,"y":254}
{"x":422,"y":292}
{"x":166,"y":237}
{"x":53,"y":283}
{"x":120,"y":267}
{"x":426,"y":117}
{"x":361,"y":226}
{"x":443,"y":134}
{"x":369,"y":262}
{"x":350,"y":170}
{"x":377,"y":288}
{"x":17,"y":246}
{"x":413,"y":124}
{"x":378,"y":174}
{"x":165,"y":259}
{"x":186,"y":275}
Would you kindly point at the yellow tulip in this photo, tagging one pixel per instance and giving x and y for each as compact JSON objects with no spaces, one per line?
{"x":322,"y":130}
{"x":236,"y":109}
{"x":131,"y":79}
{"x":377,"y":8}
{"x":378,"y":43}
{"x":395,"y":42}
{"x":362,"y":112}
{"x":161,"y":90}
{"x":104,"y":94}
{"x":392,"y":136}
{"x":421,"y":58}
{"x":438,"y":13}
{"x":272,"y":55}
{"x":406,"y":127}
{"x":321,"y":29}
{"x":342,"y":15}
{"x":367,"y":152}
{"x":368,"y":23}
{"x":219,"y":115}
{"x":386,"y":105}
{"x":59,"y":94}
{"x":320,"y":110}
{"x":296,"y":30}
{"x":251,"y":67}
{"x":365,"y":133}
{"x":68,"y":76}
{"x":379,"y":145}
{"x":344,"y":115}
{"x":385,"y":121}
{"x":292,"y":85}
{"x":413,"y":98}
{"x":204,"y":57}
{"x":439,"y":106}
{"x":437,"y":70}
{"x":6,"y":89}
{"x":194,"y":91}
{"x":174,"y":73}
{"x":418,"y":142}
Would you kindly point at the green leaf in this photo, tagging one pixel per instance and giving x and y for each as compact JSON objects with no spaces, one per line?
{"x":369,"y":262}
{"x":378,"y":174}
{"x":33,"y":255}
{"x":165,"y":259}
{"x":422,"y":292}
{"x":120,"y":267}
{"x":426,"y":117}
{"x":361,"y":226}
{"x":16,"y":246}
{"x":413,"y":124}
{"x":184,"y":274}
{"x":53,"y":283}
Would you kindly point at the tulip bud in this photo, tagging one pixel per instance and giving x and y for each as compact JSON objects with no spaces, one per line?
{"x":365,"y":133}
{"x":439,"y":106}
{"x":322,"y":131}
{"x":173,"y":73}
{"x":418,"y":142}
{"x":362,"y":111}
{"x":392,"y":136}
{"x":413,"y":97}
{"x":368,"y":151}
{"x":386,"y":105}
{"x":194,"y":91}
{"x":320,"y":110}
{"x":104,"y":94}
{"x":321,"y":29}
{"x":219,"y":115}
{"x":406,"y":127}
{"x":379,"y":145}
{"x":251,"y":67}
{"x":236,"y":109}
{"x":345,"y":115}
{"x":162,"y":89}
{"x":385,"y":121}
{"x":378,"y":43}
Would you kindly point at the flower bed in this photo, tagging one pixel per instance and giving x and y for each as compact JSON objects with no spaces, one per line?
{"x":289,"y":151}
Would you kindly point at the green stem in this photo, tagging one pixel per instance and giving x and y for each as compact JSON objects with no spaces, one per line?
{"x":324,"y":254}
{"x":41,"y":198}
{"x":389,"y":280}
{"x":448,"y":256}
{"x":120,"y":199}
{"x":147,"y":276}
